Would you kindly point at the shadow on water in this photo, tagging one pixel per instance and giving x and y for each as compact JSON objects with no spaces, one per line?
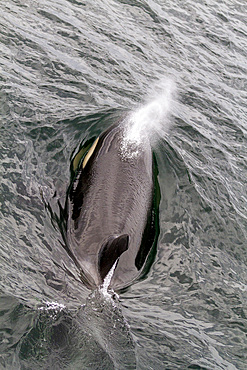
{"x":96,"y":336}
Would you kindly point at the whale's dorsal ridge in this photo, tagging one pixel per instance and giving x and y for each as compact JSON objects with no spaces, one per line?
{"x":110,"y":251}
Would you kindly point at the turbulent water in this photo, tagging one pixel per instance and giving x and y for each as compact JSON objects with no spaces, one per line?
{"x":68,"y":70}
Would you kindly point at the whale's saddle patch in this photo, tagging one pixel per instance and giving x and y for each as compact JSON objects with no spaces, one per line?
{"x":110,"y":252}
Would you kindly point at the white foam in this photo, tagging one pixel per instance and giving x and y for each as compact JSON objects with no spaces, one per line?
{"x":53,"y":306}
{"x":107,"y":280}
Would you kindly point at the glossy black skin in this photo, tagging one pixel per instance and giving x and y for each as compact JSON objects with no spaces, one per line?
{"x":111,"y":197}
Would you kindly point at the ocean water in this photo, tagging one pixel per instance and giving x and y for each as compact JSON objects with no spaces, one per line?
{"x":68,"y":70}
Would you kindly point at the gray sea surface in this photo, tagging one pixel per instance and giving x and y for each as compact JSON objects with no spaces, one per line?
{"x":69,"y":69}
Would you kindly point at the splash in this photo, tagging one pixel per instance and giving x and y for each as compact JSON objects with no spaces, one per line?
{"x":105,"y":287}
{"x":58,"y":307}
{"x":52,"y":309}
{"x":150,"y":121}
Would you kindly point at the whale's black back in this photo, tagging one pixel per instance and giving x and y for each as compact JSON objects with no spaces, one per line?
{"x":109,"y":203}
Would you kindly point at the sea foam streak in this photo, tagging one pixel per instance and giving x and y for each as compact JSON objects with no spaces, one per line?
{"x":106,"y":282}
{"x":150,"y":121}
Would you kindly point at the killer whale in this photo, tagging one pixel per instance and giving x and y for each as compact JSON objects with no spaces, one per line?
{"x":112,"y":209}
